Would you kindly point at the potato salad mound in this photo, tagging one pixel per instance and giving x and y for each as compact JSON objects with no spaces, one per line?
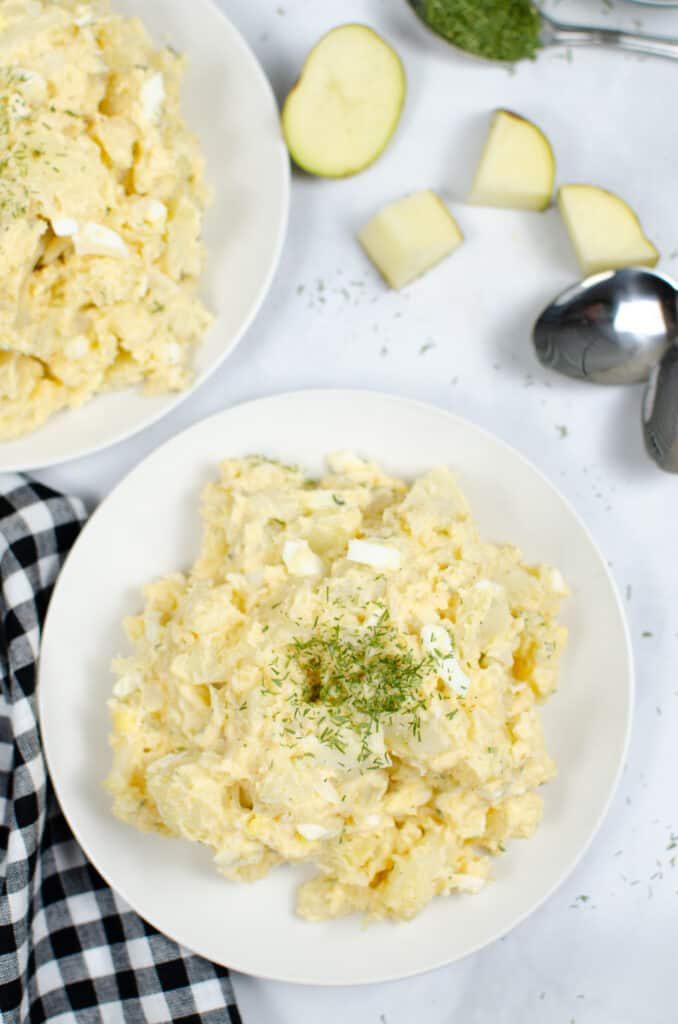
{"x":348,"y":675}
{"x":101,"y":200}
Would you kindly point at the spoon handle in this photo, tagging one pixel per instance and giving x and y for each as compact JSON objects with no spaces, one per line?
{"x":660,"y":413}
{"x":555,"y":33}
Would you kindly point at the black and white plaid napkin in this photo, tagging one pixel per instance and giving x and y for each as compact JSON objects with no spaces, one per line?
{"x":71,"y":951}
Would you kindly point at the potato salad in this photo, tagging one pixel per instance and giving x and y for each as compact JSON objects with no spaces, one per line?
{"x":348,"y":676}
{"x":101,"y":202}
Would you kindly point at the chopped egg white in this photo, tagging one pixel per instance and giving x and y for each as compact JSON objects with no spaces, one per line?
{"x":313,"y":832}
{"x":98,"y":240}
{"x":468,"y":883}
{"x":126,"y":685}
{"x":376,"y":555}
{"x":453,"y":674}
{"x":153,"y":96}
{"x":64,"y":227}
{"x":437,"y":642}
{"x":300,"y":560}
{"x":558,"y":583}
{"x":155,"y":211}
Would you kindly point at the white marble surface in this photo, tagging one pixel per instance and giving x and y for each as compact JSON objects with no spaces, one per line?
{"x":604,"y":950}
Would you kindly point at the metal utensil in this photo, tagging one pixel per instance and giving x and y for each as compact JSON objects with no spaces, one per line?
{"x":612,"y":328}
{"x":660,"y":412}
{"x":557,"y":33}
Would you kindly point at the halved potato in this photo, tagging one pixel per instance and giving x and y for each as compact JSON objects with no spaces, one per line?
{"x":342,"y":112}
{"x":517,"y":167}
{"x":605,"y":232}
{"x":408,"y":237}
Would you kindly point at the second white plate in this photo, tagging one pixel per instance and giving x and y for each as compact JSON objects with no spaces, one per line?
{"x":149,"y":525}
{"x":228,"y":103}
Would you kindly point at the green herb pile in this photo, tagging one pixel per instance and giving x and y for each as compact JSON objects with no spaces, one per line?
{"x":357,"y":680}
{"x":498,"y":29}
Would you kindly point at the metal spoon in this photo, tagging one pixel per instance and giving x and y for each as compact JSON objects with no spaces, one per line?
{"x":660,"y":412}
{"x":612,"y":328}
{"x":557,"y":33}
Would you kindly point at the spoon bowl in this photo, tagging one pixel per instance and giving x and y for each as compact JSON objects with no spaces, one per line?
{"x":612,"y":328}
{"x":557,"y":33}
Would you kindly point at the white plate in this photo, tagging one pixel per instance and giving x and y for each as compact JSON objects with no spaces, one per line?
{"x":228,"y":103}
{"x":150,"y":524}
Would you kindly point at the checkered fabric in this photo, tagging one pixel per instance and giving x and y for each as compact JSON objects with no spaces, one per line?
{"x":71,"y":951}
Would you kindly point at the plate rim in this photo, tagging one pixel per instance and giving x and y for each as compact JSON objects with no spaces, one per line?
{"x":181,"y":396}
{"x":630,"y":678}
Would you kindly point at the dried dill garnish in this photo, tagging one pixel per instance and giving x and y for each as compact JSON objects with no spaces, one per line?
{"x":497,"y":29}
{"x":357,"y":680}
